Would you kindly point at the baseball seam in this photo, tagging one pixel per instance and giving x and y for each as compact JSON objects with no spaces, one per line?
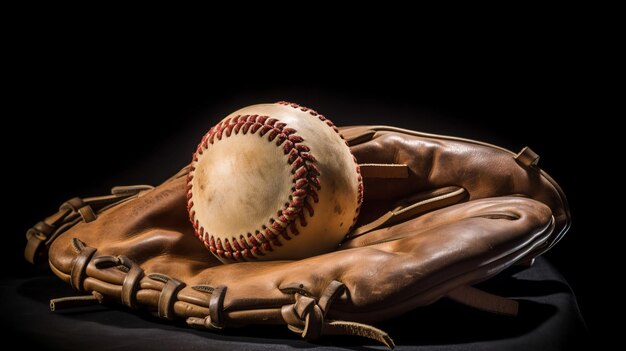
{"x":356,"y":163}
{"x":305,"y":186}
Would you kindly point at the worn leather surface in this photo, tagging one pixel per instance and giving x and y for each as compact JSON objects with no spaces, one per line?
{"x":511,"y":212}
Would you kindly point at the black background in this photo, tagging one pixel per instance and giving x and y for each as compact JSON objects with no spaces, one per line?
{"x":88,"y":115}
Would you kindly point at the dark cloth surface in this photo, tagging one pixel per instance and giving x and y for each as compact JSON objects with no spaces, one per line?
{"x":549,"y":319}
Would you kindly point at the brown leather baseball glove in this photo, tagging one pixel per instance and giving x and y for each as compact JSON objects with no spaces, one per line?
{"x":439,"y":215}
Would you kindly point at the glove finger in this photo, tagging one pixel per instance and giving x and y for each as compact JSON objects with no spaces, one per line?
{"x":436,"y":162}
{"x":151,"y":227}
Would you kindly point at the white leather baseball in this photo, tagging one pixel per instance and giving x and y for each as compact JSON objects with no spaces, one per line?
{"x":271,"y":182}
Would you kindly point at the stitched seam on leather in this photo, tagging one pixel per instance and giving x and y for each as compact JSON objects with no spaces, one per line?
{"x":356,"y":164}
{"x":77,"y":245}
{"x":203,"y":288}
{"x":159,"y":277}
{"x":305,"y":179}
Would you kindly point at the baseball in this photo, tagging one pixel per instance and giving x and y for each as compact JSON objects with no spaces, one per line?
{"x":273,"y":182}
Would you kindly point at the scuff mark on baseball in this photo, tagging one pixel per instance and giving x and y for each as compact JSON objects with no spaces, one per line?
{"x":273,"y":182}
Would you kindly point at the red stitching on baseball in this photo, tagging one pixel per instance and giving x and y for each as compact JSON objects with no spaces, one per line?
{"x":358,"y":169}
{"x":305,"y":189}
